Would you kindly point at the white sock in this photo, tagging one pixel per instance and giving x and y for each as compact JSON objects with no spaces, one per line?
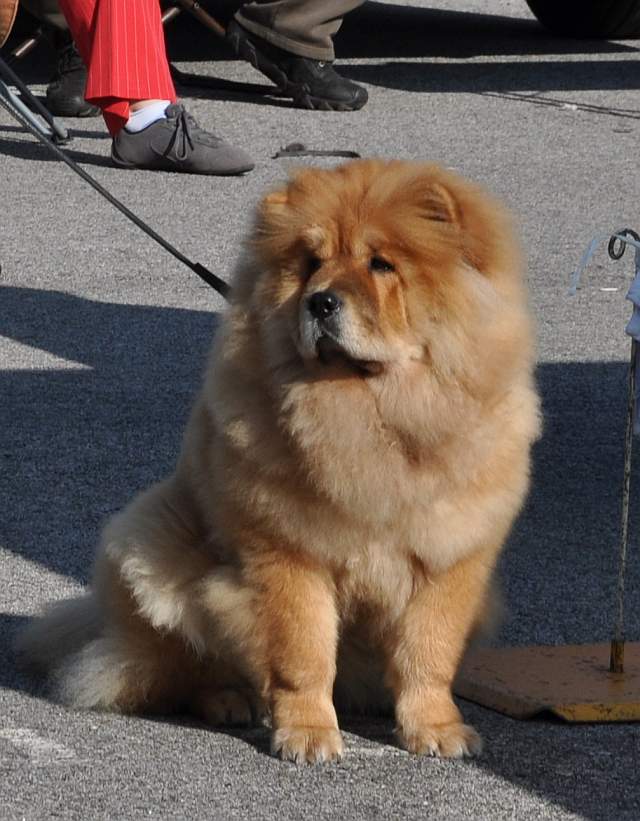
{"x":146,"y":115}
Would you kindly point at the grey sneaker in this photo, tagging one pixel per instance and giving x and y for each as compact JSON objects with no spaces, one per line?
{"x":177,"y":143}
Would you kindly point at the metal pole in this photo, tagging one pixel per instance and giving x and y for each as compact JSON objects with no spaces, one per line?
{"x":194,"y":8}
{"x":617,"y":247}
{"x":25,"y":47}
{"x":59,"y":134}
{"x":15,"y":101}
{"x":616,"y":664}
{"x":170,"y":14}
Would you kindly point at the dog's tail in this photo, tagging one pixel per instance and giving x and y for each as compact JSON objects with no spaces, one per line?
{"x":86,"y":667}
{"x":48,"y":641}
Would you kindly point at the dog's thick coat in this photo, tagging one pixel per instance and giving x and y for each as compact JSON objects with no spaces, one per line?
{"x":349,"y":474}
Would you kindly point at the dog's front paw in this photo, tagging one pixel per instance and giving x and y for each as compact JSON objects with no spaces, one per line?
{"x":312,"y":745}
{"x":454,"y":740}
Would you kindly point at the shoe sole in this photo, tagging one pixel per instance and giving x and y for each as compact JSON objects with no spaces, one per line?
{"x":175,"y":169}
{"x":300,"y":94}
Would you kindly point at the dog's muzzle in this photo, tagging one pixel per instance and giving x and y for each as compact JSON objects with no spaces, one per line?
{"x":324,"y":333}
{"x":320,"y":319}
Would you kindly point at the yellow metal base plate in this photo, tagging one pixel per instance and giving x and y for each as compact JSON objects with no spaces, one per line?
{"x":571,"y":681}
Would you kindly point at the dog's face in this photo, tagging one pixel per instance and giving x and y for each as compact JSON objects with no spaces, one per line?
{"x":352,"y":301}
{"x":360,"y":267}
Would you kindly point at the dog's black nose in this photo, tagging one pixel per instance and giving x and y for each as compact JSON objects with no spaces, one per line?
{"x":324,"y":304}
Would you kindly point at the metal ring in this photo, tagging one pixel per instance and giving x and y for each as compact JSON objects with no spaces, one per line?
{"x":617,"y":246}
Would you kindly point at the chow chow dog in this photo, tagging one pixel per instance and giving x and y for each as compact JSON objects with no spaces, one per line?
{"x":348,"y":476}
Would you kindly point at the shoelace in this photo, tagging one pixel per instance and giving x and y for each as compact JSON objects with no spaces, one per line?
{"x":182,"y":137}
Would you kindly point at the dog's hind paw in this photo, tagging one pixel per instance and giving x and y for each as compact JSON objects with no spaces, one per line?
{"x":227,"y":707}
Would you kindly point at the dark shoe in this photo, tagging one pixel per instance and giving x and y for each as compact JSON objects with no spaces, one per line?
{"x":65,"y":93}
{"x":311,"y":83}
{"x":177,"y":143}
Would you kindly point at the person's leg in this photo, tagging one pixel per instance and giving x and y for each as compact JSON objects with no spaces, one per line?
{"x":291,"y":42}
{"x":66,"y":89}
{"x":124,"y":52}
{"x":302,"y":27}
{"x":122,"y":45}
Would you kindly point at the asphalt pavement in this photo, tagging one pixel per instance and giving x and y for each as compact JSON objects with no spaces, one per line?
{"x":103,"y":339}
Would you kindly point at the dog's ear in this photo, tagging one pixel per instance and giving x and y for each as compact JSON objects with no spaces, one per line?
{"x":274,"y":203}
{"x":477,"y":223}
{"x":271,"y":236}
{"x":272,"y":210}
{"x":278,"y":204}
{"x":441,"y":205}
{"x":284,"y":215}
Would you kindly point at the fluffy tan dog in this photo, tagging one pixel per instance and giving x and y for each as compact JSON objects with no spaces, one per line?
{"x":349,"y":474}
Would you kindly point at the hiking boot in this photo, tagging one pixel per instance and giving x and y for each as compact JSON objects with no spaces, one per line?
{"x":65,"y":92}
{"x":177,"y":143}
{"x":311,"y":83}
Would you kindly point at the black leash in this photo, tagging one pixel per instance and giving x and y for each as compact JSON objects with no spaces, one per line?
{"x":214,"y":281}
{"x":219,"y":285}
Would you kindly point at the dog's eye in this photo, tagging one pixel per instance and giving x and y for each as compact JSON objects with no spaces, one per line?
{"x":381,"y":265}
{"x":313,"y":263}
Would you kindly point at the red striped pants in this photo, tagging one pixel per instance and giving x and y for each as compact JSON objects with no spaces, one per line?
{"x":122,"y":45}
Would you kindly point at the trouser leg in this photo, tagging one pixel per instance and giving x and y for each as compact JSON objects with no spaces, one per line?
{"x":122,"y":45}
{"x":302,"y":27}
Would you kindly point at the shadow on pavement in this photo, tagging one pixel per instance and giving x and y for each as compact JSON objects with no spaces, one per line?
{"x":11,"y":675}
{"x":479,"y":78}
{"x":30,"y":149}
{"x":401,"y":33}
{"x":93,"y":135}
{"x":78,"y":440}
{"x":381,"y":30}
